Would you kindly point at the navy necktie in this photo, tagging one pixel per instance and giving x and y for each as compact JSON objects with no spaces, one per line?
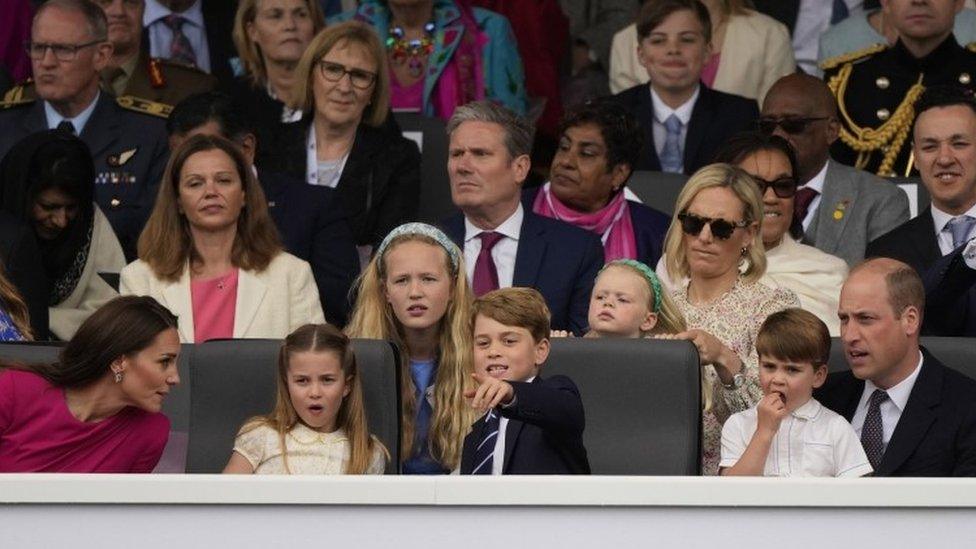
{"x":485,"y":452}
{"x":872,"y":433}
{"x":67,"y":126}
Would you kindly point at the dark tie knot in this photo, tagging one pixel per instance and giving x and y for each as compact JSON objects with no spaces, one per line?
{"x":489,"y":239}
{"x":878,"y":397}
{"x":67,"y":126}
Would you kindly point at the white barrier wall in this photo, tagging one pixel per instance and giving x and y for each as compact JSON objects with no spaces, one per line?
{"x":149,"y":511}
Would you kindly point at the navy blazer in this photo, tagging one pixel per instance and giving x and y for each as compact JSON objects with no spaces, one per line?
{"x":650,"y":227}
{"x":544,"y":434}
{"x":715,"y":118}
{"x":950,"y":297}
{"x":556,"y":258}
{"x":313,"y":228}
{"x":936,"y":434}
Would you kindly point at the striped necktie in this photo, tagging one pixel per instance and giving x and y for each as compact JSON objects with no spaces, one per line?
{"x":485,"y":452}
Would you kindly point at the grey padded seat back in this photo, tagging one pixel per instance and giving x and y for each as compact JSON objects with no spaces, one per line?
{"x":30,"y":352}
{"x":435,"y":186}
{"x":234,"y":380}
{"x":642,"y":399}
{"x":914,"y":186}
{"x":659,"y":190}
{"x":958,"y":353}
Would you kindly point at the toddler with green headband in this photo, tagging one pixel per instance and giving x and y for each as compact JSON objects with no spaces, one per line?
{"x":628,"y":301}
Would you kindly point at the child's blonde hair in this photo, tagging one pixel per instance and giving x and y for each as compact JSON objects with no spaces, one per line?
{"x":322,"y":338}
{"x":373,"y":317}
{"x":518,"y":307}
{"x":669,"y":318}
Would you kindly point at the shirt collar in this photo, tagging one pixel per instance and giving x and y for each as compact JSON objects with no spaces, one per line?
{"x":306,"y":435}
{"x":941,"y":218}
{"x":156,"y":11}
{"x":817,"y":182}
{"x":809,"y":410}
{"x":683,"y":112}
{"x":54,"y":117}
{"x":511,"y":227}
{"x":898,"y":395}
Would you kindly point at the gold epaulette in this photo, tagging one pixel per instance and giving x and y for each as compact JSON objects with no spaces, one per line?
{"x":144,"y":106}
{"x":971,"y":46}
{"x":14,"y":97}
{"x":851,"y":56}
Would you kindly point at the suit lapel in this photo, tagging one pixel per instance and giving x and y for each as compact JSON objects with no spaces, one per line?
{"x":531,"y":251}
{"x":917,"y":417}
{"x":924,"y":241}
{"x":101,"y":129}
{"x":454,"y":229}
{"x":180,"y":302}
{"x":35,"y":121}
{"x":251,"y":287}
{"x":838,"y":195}
{"x":701,"y":114}
{"x":645,"y":115}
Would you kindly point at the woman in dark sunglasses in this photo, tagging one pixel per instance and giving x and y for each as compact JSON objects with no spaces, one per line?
{"x":714,"y":254}
{"x":815,"y":276}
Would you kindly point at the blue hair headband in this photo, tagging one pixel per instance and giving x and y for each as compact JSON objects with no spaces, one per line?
{"x":453,"y":253}
{"x":648,"y":274}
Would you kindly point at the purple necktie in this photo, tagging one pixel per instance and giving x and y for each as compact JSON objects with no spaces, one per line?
{"x":872,"y":432}
{"x":180,"y":48}
{"x":801,"y":204}
{"x":485,"y":273}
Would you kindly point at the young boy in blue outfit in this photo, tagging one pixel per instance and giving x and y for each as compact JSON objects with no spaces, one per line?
{"x":531,"y":426}
{"x":789,"y":433}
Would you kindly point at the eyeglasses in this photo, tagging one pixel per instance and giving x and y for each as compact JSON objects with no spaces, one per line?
{"x":692,"y":225}
{"x":62,"y":52}
{"x":784,"y":187}
{"x":333,"y":72}
{"x":791,"y":125}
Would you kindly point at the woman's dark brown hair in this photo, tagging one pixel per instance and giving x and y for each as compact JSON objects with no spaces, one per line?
{"x":166,"y":244}
{"x":121,"y":327}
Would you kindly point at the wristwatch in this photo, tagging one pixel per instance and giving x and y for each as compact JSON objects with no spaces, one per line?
{"x":738,"y":380}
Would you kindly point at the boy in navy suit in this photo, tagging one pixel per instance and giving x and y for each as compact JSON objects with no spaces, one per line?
{"x":531,"y":426}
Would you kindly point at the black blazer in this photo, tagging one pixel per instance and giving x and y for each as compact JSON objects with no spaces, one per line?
{"x":20,"y":260}
{"x":936,"y":434}
{"x":556,"y":258}
{"x":380,"y":184}
{"x":950,"y":297}
{"x":650,"y":227}
{"x":913,"y":242}
{"x":313,"y":228}
{"x":544,"y":434}
{"x":715,"y":117}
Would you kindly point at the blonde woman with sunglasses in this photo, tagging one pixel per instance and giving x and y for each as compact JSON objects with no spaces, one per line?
{"x":714,"y":245}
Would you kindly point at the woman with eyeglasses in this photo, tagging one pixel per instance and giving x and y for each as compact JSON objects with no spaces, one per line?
{"x":342,"y":140}
{"x":714,"y":248}
{"x":814,"y":276}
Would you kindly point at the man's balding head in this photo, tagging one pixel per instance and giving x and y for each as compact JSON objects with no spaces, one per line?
{"x":808,"y":103}
{"x":880,"y":312}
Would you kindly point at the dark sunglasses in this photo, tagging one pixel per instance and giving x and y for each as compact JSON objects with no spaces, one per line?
{"x":784,"y":187}
{"x":792,"y":125}
{"x":721,"y":229}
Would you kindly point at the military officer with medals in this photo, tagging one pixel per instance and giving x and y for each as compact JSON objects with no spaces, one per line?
{"x":876,"y":87}
{"x":126,"y":136}
{"x":131,"y":71}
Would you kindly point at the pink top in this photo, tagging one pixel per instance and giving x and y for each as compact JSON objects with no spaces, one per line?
{"x":214,"y":306}
{"x":406,"y":98}
{"x":711,"y":69}
{"x":38,"y":433}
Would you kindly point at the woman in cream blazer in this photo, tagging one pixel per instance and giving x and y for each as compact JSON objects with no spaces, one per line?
{"x":755,"y":53}
{"x":209,"y":232}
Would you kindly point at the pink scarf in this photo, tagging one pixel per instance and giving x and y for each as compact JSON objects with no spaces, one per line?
{"x":612,"y":222}
{"x":463,"y":78}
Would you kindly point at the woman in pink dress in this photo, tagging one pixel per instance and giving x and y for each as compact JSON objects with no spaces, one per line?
{"x":97,"y":409}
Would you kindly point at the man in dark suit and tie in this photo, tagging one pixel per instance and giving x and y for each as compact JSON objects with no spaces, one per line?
{"x":309,"y":220}
{"x":193,"y":32}
{"x":684,"y":121}
{"x":915,"y":416}
{"x":950,"y":284}
{"x":504,"y":244}
{"x":944,"y":148}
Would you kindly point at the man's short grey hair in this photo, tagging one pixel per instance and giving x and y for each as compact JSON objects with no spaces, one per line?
{"x":93,"y":14}
{"x":518,"y":130}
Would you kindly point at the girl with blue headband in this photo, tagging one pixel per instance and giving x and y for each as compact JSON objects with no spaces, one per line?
{"x":628,"y":301}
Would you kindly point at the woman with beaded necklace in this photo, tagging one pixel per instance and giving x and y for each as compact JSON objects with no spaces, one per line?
{"x":444,"y":53}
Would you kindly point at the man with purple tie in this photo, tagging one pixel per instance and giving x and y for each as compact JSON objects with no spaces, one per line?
{"x":504,"y":244}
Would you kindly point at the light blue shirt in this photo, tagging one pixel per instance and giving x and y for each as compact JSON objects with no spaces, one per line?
{"x":54,"y":117}
{"x":161,"y":37}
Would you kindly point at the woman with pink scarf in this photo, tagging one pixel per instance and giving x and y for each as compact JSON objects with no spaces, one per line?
{"x":598,"y":146}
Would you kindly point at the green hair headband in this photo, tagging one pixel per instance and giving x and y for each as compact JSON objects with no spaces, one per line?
{"x":648,"y":275}
{"x":453,"y":252}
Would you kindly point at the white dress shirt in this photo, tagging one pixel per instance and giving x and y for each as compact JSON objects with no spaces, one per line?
{"x":662,"y":112}
{"x":161,"y":37}
{"x":891,"y":409}
{"x":54,"y":118}
{"x":812,"y":441}
{"x":817,"y":184}
{"x":504,"y":251}
{"x":498,"y":456}
{"x":942,"y":234}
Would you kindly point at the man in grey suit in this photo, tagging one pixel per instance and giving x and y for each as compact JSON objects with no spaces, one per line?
{"x":841,"y":208}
